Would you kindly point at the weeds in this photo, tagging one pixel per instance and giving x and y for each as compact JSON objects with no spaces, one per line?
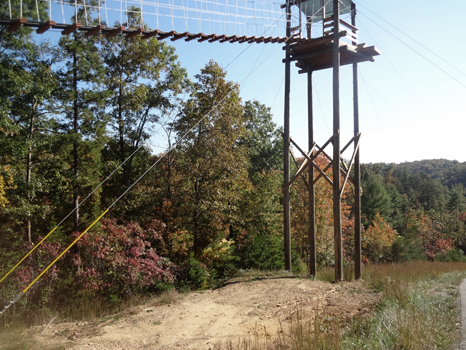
{"x":418,"y":311}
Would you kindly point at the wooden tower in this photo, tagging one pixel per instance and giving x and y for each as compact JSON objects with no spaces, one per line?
{"x":310,"y":55}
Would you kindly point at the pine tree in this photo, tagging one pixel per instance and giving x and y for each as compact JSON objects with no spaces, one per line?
{"x":212,"y":162}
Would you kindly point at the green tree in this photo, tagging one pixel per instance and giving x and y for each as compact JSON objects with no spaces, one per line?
{"x":374,"y":199}
{"x":457,"y":200}
{"x":29,"y":136}
{"x":80,"y":98}
{"x":263,"y":139}
{"x":211,"y":160}
{"x":146,"y":78}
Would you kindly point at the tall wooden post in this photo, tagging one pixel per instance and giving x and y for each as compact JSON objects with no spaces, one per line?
{"x":312,"y":209}
{"x":286,"y":145}
{"x":357,"y":166}
{"x":336,"y":144}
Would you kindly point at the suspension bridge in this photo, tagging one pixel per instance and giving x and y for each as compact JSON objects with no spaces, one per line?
{"x":232,"y":21}
{"x":238,"y":21}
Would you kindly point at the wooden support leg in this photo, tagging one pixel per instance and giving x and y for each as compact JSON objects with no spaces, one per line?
{"x":336,"y":147}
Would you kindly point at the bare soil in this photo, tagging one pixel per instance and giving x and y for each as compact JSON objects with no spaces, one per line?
{"x":204,"y":319}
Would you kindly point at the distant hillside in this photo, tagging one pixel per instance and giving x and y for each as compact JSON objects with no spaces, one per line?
{"x":448,"y":172}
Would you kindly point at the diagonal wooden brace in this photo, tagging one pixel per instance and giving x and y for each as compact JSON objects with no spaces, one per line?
{"x":348,"y":144}
{"x":312,"y":160}
{"x":303,"y":166}
{"x":297,"y":165}
{"x":350,"y":164}
{"x":343,"y":171}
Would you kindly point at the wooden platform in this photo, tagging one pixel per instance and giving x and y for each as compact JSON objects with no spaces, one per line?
{"x":317,"y":54}
{"x":65,"y":29}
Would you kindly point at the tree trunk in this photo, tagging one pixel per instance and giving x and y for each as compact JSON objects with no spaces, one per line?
{"x":75,"y":145}
{"x":29,"y":177}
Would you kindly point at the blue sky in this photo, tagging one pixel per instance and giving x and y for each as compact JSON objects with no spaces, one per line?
{"x":409,"y":108}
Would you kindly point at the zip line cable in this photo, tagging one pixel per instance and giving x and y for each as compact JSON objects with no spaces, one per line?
{"x":105,"y":180}
{"x":66,"y":217}
{"x":373,"y":105}
{"x":403,"y":79}
{"x":130,"y":187}
{"x":424,"y":57}
{"x":383,"y":99}
{"x":417,"y":42}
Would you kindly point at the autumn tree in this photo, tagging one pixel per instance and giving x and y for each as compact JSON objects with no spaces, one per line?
{"x":212,"y":161}
{"x":324,"y":217}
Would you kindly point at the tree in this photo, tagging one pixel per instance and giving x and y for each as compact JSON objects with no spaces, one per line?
{"x":457,"y":200}
{"x":80,"y":97}
{"x":29,"y":125}
{"x":212,"y":161}
{"x":374,"y":199}
{"x":146,"y":78}
{"x":263,"y":139}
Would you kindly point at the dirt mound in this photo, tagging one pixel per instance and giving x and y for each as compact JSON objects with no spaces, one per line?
{"x":200,"y":320}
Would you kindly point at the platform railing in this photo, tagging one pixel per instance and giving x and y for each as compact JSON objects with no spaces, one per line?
{"x":351,"y":31}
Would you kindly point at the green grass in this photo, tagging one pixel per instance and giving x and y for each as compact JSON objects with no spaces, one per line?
{"x":418,"y":311}
{"x":19,"y":338}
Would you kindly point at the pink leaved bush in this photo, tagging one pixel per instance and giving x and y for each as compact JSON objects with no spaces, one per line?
{"x":121,"y":257}
{"x":115,"y":259}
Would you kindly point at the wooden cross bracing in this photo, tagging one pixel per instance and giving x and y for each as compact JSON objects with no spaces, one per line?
{"x":310,"y":156}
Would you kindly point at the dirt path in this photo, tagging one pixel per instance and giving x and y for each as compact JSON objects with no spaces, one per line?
{"x":200,"y":320}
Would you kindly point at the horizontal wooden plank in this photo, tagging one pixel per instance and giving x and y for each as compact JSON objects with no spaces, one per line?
{"x":94,"y":30}
{"x":14,"y":26}
{"x":44,"y":27}
{"x":136,"y":33}
{"x":114,"y":32}
{"x":72,"y":28}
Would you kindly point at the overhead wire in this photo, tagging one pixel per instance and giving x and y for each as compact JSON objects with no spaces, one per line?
{"x":417,"y":52}
{"x":417,"y":42}
{"x":402,"y":78}
{"x":124,"y":193}
{"x":372,"y":102}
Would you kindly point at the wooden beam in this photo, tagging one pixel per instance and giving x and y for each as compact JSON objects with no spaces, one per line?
{"x":228,"y":38}
{"x":16,"y":25}
{"x":134,"y":34}
{"x":314,"y":157}
{"x":178,"y":36}
{"x":347,"y":145}
{"x":304,"y":165}
{"x":296,"y":163}
{"x":194,"y":36}
{"x":237,"y":38}
{"x":244,"y":38}
{"x":114,"y":32}
{"x":44,"y":27}
{"x":206,"y":37}
{"x":344,"y":172}
{"x":71,"y":29}
{"x":95,"y":30}
{"x":323,"y":174}
{"x":286,"y":146}
{"x":350,"y":166}
{"x":217,"y":38}
{"x":350,"y":26}
{"x":165,"y":35}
